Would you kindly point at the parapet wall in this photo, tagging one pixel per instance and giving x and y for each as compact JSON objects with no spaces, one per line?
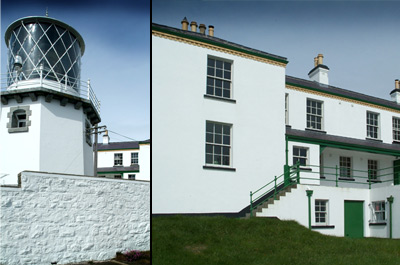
{"x":67,"y":218}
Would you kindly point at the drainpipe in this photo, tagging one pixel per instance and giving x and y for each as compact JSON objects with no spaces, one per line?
{"x":309,"y":194}
{"x":390,"y":200}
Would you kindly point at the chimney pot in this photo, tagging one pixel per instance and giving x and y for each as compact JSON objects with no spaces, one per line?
{"x":211,"y":31}
{"x":202,"y":28}
{"x":396,"y":84}
{"x":315,"y":61}
{"x":185,"y":24}
{"x":320,"y":58}
{"x":193,"y":25}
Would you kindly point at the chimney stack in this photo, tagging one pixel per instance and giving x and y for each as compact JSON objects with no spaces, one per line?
{"x":202,"y":28}
{"x":395,"y":94}
{"x":106,"y":138}
{"x":320,"y":71}
{"x":211,"y":31}
{"x":185,"y":24}
{"x":193,"y":25}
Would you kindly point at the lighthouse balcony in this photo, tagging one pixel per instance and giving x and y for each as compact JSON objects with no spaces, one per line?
{"x":53,"y":86}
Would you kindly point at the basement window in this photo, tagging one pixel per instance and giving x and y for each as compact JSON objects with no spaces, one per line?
{"x":321,"y":212}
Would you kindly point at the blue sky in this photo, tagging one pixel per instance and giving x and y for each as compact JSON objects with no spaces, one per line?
{"x":116,"y":59}
{"x":360,"y":40}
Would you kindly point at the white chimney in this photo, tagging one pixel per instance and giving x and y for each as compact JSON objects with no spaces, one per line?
{"x":320,"y":71}
{"x":106,"y":138}
{"x":395,"y":94}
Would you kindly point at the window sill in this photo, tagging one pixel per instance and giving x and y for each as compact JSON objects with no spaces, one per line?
{"x":373,"y":139}
{"x":17,"y":130}
{"x":378,"y":224}
{"x":220,"y":98}
{"x":315,"y":130}
{"x":322,"y":226}
{"x":305,"y":169}
{"x":219,"y":168}
{"x":374,"y":180}
{"x":347,"y":179}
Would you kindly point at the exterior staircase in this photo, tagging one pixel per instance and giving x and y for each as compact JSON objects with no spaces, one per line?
{"x":271,"y":200}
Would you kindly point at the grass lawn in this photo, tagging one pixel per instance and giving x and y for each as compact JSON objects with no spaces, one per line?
{"x":218,"y":240}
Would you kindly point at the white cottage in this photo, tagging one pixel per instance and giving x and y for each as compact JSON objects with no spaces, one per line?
{"x":321,"y":155}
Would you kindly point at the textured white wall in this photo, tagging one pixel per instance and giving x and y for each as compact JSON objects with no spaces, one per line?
{"x":179,"y":115}
{"x":68,"y":218}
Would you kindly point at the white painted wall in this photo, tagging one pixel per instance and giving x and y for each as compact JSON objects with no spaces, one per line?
{"x":179,"y":115}
{"x":55,"y":141}
{"x":340,"y":117}
{"x":19,"y":151}
{"x":71,"y":218}
{"x":294,"y":206}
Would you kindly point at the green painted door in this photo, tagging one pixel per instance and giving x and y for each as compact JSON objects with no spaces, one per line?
{"x":354,"y":219}
{"x":396,"y":172}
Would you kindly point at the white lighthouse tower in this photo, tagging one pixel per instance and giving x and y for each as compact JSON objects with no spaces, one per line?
{"x":45,"y":109}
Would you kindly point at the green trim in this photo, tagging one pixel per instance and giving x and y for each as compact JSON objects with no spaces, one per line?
{"x":120,"y":149}
{"x":343,"y":145}
{"x":117,"y":172}
{"x":342,"y":96}
{"x":227,"y":46}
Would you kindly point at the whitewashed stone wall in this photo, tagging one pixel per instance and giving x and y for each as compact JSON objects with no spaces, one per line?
{"x":67,"y":218}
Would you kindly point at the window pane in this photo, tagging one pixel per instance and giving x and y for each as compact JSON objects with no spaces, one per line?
{"x":227,"y":140}
{"x":218,"y":138}
{"x":209,"y":159}
{"x":227,"y":93}
{"x":218,"y":64}
{"x":211,"y":62}
{"x":227,"y":66}
{"x":217,"y":150}
{"x":209,"y":138}
{"x":209,"y":148}
{"x":218,"y":73}
{"x":227,"y":75}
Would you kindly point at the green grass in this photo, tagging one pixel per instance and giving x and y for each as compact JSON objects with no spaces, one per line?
{"x":181,"y":240}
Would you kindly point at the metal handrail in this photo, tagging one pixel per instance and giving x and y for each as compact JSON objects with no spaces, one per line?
{"x":294,"y":177}
{"x":41,"y":77}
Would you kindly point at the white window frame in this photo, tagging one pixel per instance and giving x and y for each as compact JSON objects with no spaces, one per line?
{"x":213,"y":78}
{"x":396,"y":129}
{"x":218,"y":144}
{"x":298,"y":156}
{"x":378,"y":213}
{"x":117,"y":159}
{"x":312,"y":115}
{"x":373,"y":122}
{"x":373,"y":167}
{"x":320,"y":212}
{"x":347,"y":168}
{"x":135,"y":158}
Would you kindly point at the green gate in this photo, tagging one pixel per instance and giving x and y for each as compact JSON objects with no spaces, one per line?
{"x":354,"y":219}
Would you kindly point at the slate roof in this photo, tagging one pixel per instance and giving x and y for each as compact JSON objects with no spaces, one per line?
{"x":322,"y":138}
{"x":290,"y":80}
{"x":121,"y":145}
{"x":215,"y":40}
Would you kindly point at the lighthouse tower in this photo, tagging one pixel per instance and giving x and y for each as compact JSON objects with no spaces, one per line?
{"x":46,"y":111}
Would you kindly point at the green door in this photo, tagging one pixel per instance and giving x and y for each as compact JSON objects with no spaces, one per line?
{"x":354,"y":219}
{"x":396,"y":172}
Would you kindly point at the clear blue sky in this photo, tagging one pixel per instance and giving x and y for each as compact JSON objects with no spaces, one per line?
{"x":116,"y":59}
{"x":360,"y":40}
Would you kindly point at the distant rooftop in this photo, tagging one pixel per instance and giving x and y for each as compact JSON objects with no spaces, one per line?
{"x":121,"y":145}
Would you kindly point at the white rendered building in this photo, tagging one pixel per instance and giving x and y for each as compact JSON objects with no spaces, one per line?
{"x":228,"y":122}
{"x":45,"y":110}
{"x":124,"y":160}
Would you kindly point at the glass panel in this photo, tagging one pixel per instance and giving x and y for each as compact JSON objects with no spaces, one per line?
{"x":217,"y":159}
{"x":210,"y":62}
{"x":209,"y":159}
{"x":226,"y":160}
{"x":227,"y":93}
{"x":227,"y":75}
{"x":210,"y":71}
{"x":209,"y":148}
{"x":218,"y":83}
{"x":218,"y":64}
{"x":225,"y":150}
{"x":218,"y":139}
{"x":217,"y":150}
{"x":218,"y":73}
{"x":209,"y":127}
{"x":218,"y":128}
{"x":210,"y":90}
{"x":227,"y":66}
{"x":209,"y":138}
{"x":218,"y":92}
{"x":210,"y":81}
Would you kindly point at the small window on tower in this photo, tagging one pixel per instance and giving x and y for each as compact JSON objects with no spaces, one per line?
{"x":19,"y":119}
